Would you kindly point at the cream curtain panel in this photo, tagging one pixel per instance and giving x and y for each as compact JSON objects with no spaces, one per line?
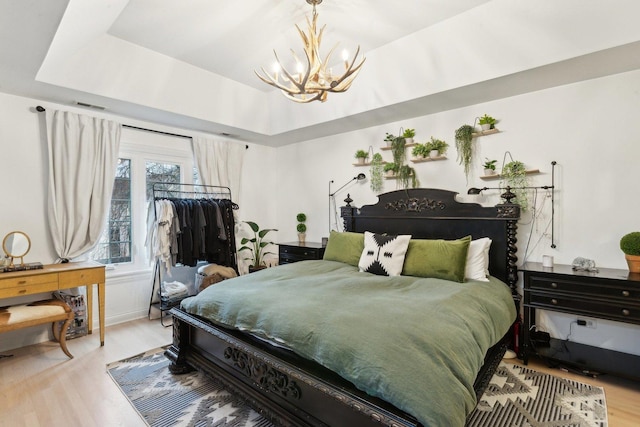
{"x":83,"y":153}
{"x":219,"y":163}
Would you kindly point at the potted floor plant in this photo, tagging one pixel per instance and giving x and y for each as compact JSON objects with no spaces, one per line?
{"x":256,"y":246}
{"x":630,"y":245}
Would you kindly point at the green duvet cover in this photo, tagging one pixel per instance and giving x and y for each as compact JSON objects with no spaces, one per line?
{"x":416,"y":343}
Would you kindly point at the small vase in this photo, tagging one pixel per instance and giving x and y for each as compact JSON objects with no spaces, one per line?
{"x":301,"y":238}
{"x":633,"y":261}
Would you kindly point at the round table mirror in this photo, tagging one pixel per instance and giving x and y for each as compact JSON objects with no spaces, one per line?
{"x":16,"y":245}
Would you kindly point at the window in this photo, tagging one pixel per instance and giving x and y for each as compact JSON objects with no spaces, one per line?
{"x":114,"y":245}
{"x":145,"y":158}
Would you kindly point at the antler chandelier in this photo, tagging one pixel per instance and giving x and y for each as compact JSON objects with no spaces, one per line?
{"x":313,"y":78}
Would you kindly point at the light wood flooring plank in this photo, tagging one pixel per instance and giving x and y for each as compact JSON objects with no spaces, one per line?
{"x":41,"y":387}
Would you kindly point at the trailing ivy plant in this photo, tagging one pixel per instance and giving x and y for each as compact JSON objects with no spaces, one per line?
{"x":377,"y":169}
{"x":407,"y":177}
{"x":464,"y":145}
{"x":514,"y":175}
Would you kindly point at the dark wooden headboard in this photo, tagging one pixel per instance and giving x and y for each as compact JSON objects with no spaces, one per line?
{"x":428,"y":213}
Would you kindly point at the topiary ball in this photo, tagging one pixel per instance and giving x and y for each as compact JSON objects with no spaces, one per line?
{"x":630,"y":243}
{"x":301,"y":228}
{"x":301,"y":217}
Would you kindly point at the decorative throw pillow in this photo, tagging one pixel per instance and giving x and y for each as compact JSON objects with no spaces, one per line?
{"x":382,"y":254}
{"x":344,"y":247}
{"x":478,"y":260}
{"x":442,"y":259}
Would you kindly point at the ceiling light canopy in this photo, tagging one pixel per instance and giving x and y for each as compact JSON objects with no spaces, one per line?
{"x":313,"y":78}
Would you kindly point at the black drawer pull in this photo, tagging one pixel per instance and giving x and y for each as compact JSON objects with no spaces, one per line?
{"x":626,"y":312}
{"x":554,"y":285}
{"x":625,"y":293}
{"x":554,"y":301}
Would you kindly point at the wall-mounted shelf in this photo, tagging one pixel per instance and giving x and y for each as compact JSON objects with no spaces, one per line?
{"x":406,"y":145}
{"x":428,"y":159}
{"x":485,"y":132}
{"x":498,"y":176}
{"x":366,"y":164}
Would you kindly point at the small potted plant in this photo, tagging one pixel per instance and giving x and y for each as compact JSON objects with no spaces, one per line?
{"x":390,"y":169}
{"x":301,"y":227}
{"x":256,"y":246}
{"x":630,"y":245}
{"x":408,"y":135}
{"x":389,"y":138}
{"x":361,"y":156}
{"x":489,"y":167}
{"x":486,"y":122}
{"x":420,"y":151}
{"x":437,"y":148}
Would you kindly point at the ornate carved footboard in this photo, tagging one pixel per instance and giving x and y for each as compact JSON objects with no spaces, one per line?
{"x":293,"y":391}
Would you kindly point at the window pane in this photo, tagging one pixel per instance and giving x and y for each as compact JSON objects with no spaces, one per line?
{"x":114,"y":245}
{"x":165,"y":173}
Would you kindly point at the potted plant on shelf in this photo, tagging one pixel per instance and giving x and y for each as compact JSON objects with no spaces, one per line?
{"x":301,"y":227}
{"x":390,"y":169}
{"x":420,"y":151}
{"x":377,"y":168}
{"x":361,"y":156}
{"x":408,"y":135}
{"x":437,"y":147}
{"x":464,"y":145}
{"x":489,"y":167}
{"x":514,"y":175}
{"x":389,"y":138}
{"x":256,"y":246}
{"x":486,"y":122}
{"x":630,"y":245}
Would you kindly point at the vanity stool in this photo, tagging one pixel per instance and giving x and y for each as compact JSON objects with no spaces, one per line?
{"x":37,"y":313}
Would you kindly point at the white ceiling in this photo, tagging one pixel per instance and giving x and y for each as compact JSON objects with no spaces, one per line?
{"x":190,"y":63}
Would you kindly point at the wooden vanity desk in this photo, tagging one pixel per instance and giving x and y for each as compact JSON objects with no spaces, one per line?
{"x":54,"y":277}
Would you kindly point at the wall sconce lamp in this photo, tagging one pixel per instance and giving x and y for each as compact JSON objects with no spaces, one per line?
{"x":348,"y":200}
{"x":508,"y":196}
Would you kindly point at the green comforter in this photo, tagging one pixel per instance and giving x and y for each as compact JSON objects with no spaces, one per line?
{"x":416,"y":343}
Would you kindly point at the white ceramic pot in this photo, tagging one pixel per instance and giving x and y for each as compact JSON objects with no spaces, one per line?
{"x":434,"y":154}
{"x":485,"y":127}
{"x":488,"y":172}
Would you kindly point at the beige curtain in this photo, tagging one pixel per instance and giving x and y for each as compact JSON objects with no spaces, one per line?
{"x":219,"y":163}
{"x":83,"y":153}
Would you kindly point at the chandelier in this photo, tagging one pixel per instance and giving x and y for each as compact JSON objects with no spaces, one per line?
{"x":313,"y":78}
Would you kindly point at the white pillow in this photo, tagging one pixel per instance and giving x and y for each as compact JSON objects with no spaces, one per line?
{"x":478,"y":260}
{"x":382,"y":254}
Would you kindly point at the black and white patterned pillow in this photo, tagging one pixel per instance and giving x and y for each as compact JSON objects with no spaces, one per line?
{"x":382,"y":254}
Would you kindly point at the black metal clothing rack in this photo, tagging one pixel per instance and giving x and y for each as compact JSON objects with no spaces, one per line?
{"x":182,"y":191}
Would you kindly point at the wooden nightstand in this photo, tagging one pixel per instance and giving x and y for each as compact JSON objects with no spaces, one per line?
{"x":294,"y":252}
{"x":608,"y":294}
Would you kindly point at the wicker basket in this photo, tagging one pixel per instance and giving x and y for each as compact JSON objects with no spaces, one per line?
{"x":202,"y":282}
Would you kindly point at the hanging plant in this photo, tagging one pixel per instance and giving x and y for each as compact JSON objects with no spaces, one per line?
{"x":377,"y":169}
{"x":464,"y":145}
{"x":514,"y":175}
{"x":407,"y":177}
{"x":398,"y":150}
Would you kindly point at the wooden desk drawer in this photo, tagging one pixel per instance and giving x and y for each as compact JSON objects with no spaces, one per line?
{"x":87,"y":276}
{"x":19,"y":290}
{"x":37,"y":279}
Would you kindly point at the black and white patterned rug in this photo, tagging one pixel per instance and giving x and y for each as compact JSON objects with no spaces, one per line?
{"x":516,"y":396}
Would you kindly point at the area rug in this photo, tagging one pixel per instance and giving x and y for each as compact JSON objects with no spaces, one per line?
{"x":516,"y":397}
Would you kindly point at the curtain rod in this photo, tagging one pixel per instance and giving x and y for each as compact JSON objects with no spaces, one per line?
{"x":41,"y":109}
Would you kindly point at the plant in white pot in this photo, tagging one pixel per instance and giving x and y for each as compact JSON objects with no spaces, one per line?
{"x":408,"y":135}
{"x":437,"y":147}
{"x":390,"y":169}
{"x":301,"y":228}
{"x":389,"y":138}
{"x":420,"y":151}
{"x":486,"y":122}
{"x":361,"y":156}
{"x":489,"y":167}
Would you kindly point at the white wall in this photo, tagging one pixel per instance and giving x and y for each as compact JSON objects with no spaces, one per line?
{"x":23,"y":174}
{"x":588,"y":128}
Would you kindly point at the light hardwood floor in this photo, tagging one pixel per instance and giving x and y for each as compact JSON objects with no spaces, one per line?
{"x":40,"y":386}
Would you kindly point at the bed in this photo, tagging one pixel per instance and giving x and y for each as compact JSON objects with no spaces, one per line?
{"x":303,"y":388}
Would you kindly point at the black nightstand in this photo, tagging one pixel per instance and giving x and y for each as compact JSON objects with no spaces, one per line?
{"x":608,"y":294}
{"x":294,"y":252}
